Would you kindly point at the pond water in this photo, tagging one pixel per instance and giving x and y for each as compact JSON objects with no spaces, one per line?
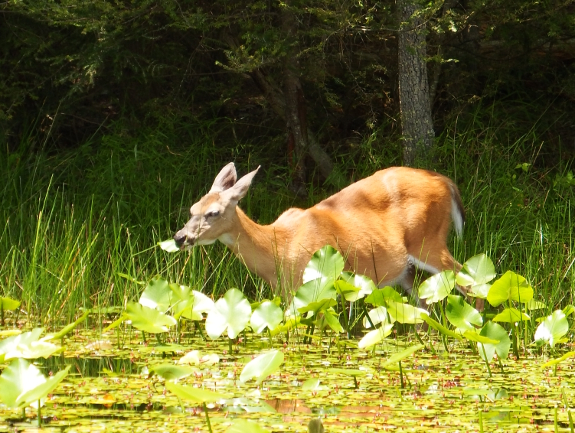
{"x":111,"y":389}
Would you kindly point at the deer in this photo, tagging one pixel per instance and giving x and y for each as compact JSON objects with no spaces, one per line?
{"x":384,"y":225}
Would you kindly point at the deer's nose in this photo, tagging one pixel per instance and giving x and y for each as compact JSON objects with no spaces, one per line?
{"x":180,"y":238}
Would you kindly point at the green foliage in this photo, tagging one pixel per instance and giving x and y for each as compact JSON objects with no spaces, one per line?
{"x":157,"y":295}
{"x":243,"y":426}
{"x":148,"y":319}
{"x":400,"y":356}
{"x":27,"y":345}
{"x":22,"y":384}
{"x":231,"y":313}
{"x":476,"y":273}
{"x":552,"y":329}
{"x":510,"y":287}
{"x":324,"y":267}
{"x":266,"y":315}
{"x":462,"y":315}
{"x":437,"y":287}
{"x":194,"y":395}
{"x":262,"y":366}
{"x":498,"y":333}
{"x":376,"y":336}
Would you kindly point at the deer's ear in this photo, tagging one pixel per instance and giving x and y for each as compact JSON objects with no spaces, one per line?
{"x":239,"y":190}
{"x":225,"y":179}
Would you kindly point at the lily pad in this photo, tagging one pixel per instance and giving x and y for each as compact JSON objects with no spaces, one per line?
{"x":510,"y":287}
{"x":376,"y":336}
{"x":231,"y":313}
{"x":462,"y":315}
{"x":27,"y":345}
{"x":22,"y":384}
{"x":266,"y":315}
{"x":437,"y":287}
{"x":511,"y":315}
{"x":552,"y":329}
{"x":477,"y":270}
{"x":148,"y":319}
{"x":495,"y":332}
{"x":157,"y":294}
{"x":262,"y":366}
{"x":195,"y":395}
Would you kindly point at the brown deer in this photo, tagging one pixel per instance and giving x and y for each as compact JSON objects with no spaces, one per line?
{"x":384,"y":226}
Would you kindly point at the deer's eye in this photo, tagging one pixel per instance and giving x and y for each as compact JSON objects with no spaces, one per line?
{"x":212,"y":214}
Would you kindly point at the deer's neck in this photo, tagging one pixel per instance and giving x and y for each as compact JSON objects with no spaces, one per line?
{"x":256,"y":245}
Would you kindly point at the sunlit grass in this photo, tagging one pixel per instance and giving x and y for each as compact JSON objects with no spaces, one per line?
{"x":73,"y":222}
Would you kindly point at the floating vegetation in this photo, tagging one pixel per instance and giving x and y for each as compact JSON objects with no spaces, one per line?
{"x":259,"y":369}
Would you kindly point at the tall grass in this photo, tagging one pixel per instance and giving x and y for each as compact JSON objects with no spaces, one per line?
{"x":73,"y":222}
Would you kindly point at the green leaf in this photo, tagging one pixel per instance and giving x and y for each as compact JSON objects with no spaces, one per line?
{"x":148,"y":319}
{"x":365,"y":285}
{"x":326,"y":263}
{"x":22,"y":383}
{"x":196,"y":395}
{"x":41,"y":391}
{"x":69,"y":327}
{"x":266,"y":315}
{"x":510,"y":287}
{"x":462,"y":315}
{"x":552,"y":329}
{"x":535,"y":305}
{"x":232,"y":312}
{"x":331,"y":318}
{"x":316,"y":307}
{"x":347,"y":290}
{"x":437,"y":287}
{"x":400,"y":356}
{"x":569,"y":309}
{"x":375,"y":336}
{"x":309,"y":293}
{"x":9,"y":304}
{"x":16,"y":379}
{"x":202,"y":304}
{"x":27,"y":345}
{"x":439,"y":327}
{"x":262,"y":366}
{"x":558,"y":360}
{"x":311,"y":385}
{"x":405,"y":313}
{"x":377,"y":315}
{"x":495,"y":332}
{"x":348,"y":372}
{"x":478,"y":338}
{"x":244,"y":426}
{"x":477,"y":270}
{"x":169,"y":246}
{"x":480,"y":290}
{"x":171,"y":371}
{"x":379,"y":297}
{"x":290,"y":323}
{"x":511,"y":315}
{"x":123,"y":317}
{"x":196,"y":358}
{"x":158,"y":295}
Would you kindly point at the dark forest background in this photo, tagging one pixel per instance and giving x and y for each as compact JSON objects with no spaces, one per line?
{"x":72,"y":71}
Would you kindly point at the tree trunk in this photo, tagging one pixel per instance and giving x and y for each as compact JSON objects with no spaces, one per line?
{"x":289,"y":103}
{"x":296,"y":121}
{"x":414,"y":102}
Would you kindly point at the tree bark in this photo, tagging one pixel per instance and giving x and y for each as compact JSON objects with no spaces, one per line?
{"x":414,"y":101}
{"x":289,"y":103}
